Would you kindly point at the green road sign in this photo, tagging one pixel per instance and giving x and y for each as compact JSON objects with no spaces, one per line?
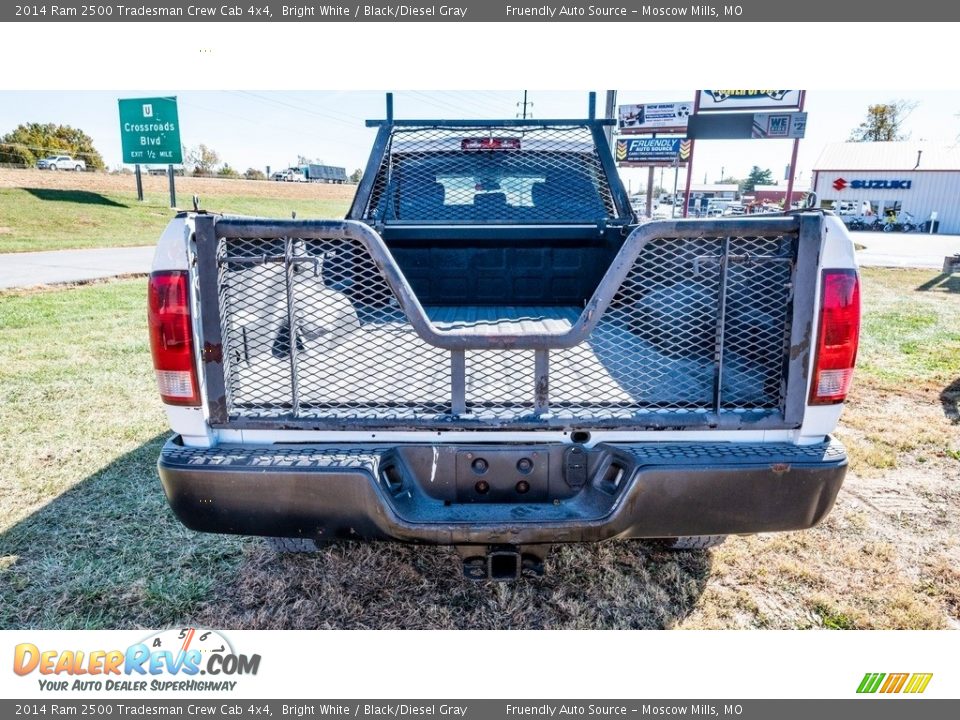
{"x":150,"y":131}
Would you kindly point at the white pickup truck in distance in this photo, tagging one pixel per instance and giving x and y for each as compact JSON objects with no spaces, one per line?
{"x":491,"y":353}
{"x":61,"y":162}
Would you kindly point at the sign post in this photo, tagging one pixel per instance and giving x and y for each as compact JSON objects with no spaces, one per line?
{"x":788,"y":201}
{"x":150,"y":133}
{"x":173,"y":189}
{"x":686,"y":189}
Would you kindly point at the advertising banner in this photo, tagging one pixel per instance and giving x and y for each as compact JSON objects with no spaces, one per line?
{"x":668,"y":117}
{"x":711,"y":100}
{"x":744,"y":126}
{"x":779,"y":125}
{"x":650,"y":151}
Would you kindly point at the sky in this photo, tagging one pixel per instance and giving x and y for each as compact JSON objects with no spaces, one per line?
{"x":260,"y":128}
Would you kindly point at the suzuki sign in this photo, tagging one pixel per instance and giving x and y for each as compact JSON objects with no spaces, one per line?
{"x":843,"y":184}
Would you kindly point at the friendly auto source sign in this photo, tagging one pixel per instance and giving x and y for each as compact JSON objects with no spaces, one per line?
{"x":649,"y":150}
{"x":711,"y":100}
{"x":657,"y":117}
{"x":150,"y":131}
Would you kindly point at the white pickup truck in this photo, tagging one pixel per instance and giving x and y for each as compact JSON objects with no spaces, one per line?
{"x":61,"y":162}
{"x":490,"y":353}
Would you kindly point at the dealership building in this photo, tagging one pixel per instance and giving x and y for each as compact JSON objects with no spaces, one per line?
{"x":873,"y":178}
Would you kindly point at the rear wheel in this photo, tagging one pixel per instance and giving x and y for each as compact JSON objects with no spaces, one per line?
{"x":693,"y":542}
{"x":77,"y":168}
{"x":292,"y":545}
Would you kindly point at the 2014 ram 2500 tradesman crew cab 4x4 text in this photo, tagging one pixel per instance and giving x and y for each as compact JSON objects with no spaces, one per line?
{"x":490,"y":353}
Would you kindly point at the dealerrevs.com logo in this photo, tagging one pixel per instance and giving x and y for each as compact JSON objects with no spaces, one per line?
{"x":168,"y":660}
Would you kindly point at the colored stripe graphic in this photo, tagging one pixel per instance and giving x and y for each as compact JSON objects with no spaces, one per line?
{"x":870,"y":682}
{"x":894,"y":683}
{"x":918,"y":683}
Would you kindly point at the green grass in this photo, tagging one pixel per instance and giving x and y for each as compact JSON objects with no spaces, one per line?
{"x":911,"y":326}
{"x":833,"y":619}
{"x":42,"y":219}
{"x":87,"y":539}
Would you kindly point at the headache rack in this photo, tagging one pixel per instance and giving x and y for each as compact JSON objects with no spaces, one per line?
{"x":312,"y":325}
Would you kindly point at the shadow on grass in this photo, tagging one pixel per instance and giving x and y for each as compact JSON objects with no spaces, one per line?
{"x":108,"y":553}
{"x":82,"y":197}
{"x":944,"y":282}
{"x":950,"y":400}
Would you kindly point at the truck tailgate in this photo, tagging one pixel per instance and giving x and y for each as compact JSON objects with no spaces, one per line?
{"x":694,"y":324}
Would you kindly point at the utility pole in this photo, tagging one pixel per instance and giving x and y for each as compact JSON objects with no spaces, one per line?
{"x":524,"y":105}
{"x":610,"y":112}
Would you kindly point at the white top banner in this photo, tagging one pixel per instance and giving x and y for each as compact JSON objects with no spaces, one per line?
{"x":748,"y":99}
{"x":654,"y":117}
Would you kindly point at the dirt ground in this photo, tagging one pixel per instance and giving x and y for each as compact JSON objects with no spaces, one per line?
{"x":205,"y":187}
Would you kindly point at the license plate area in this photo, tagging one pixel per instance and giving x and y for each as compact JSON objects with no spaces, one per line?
{"x":502,"y":476}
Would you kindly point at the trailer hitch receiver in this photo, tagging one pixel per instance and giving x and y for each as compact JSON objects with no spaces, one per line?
{"x":502,"y":562}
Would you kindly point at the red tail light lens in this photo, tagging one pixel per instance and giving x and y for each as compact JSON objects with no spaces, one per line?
{"x":171,"y":337}
{"x":838,"y":337}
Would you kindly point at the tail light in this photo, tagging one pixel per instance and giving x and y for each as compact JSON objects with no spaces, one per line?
{"x":838,"y":337}
{"x":171,"y":337}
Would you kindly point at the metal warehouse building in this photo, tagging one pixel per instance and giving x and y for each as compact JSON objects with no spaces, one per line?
{"x":921,"y":178}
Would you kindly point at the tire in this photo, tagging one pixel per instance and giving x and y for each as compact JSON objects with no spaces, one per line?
{"x":292,"y":545}
{"x":888,"y":227}
{"x":693,"y":542}
{"x":53,"y":166}
{"x":908,"y":228}
{"x":77,"y":168}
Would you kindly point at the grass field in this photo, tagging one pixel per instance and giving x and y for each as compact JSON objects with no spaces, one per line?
{"x":59,"y":210}
{"x":87,"y":541}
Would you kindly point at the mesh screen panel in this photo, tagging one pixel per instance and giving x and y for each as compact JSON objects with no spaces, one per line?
{"x":491,"y":175}
{"x":692,"y":314}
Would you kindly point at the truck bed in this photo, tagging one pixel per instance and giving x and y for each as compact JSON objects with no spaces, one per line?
{"x":383,"y":369}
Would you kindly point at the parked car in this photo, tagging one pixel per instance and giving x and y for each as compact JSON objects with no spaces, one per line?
{"x":489,"y":353}
{"x":734,"y":210}
{"x":61,"y":162}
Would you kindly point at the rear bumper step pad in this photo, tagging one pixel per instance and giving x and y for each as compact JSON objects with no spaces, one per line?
{"x":502,"y":494}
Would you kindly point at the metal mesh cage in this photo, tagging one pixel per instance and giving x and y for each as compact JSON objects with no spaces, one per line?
{"x":507,"y":174}
{"x":313,"y":331}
